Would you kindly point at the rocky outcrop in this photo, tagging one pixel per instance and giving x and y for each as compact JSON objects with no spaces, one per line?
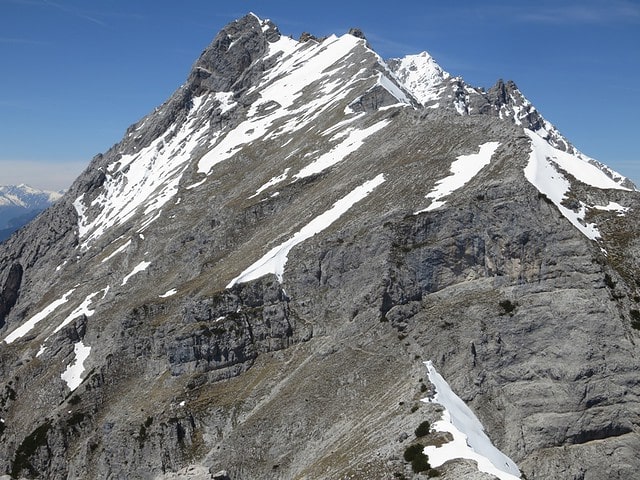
{"x":9,"y":292}
{"x":223,"y":64}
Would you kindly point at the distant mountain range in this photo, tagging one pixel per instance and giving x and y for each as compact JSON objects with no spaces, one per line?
{"x":19,"y":204}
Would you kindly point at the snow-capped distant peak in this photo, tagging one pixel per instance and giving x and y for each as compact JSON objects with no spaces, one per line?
{"x":26,"y":196}
{"x":420,"y":74}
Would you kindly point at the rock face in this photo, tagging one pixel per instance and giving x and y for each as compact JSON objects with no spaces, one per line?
{"x":248,"y":284}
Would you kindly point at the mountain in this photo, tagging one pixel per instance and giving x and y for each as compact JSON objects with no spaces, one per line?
{"x":19,"y":204}
{"x":313,"y":263}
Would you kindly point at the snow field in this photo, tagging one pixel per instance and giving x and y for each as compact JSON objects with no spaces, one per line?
{"x":542,"y":173}
{"x":38,"y":317}
{"x":73,"y":374}
{"x":137,"y":269}
{"x":422,"y":76}
{"x":302,"y":64}
{"x":462,"y":171}
{"x":147,"y":179}
{"x":275,"y":259}
{"x":469,"y":439}
{"x":393,"y":89}
{"x":575,"y":165}
{"x":353,"y":142}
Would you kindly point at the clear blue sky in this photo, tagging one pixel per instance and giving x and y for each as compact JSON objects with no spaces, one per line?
{"x":76,"y":73}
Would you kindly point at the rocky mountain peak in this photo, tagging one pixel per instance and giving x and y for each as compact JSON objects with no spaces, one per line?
{"x":507,"y":100}
{"x":504,"y":91}
{"x":421,"y":75}
{"x":222,"y":64}
{"x":26,"y":196}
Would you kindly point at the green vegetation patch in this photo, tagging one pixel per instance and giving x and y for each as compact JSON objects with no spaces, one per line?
{"x":423,"y":429}
{"x":420,"y":463}
{"x":508,"y":307}
{"x":412,"y":451}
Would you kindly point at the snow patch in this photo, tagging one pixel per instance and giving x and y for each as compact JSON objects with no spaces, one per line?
{"x":197,"y":184}
{"x":275,"y":259}
{"x":38,"y":317}
{"x":353,"y":142}
{"x":469,"y":439}
{"x":340,"y":125}
{"x":542,"y":171}
{"x":117,"y":251}
{"x":138,"y":268}
{"x":613,"y":207}
{"x":73,"y":374}
{"x":270,"y":183}
{"x":462,"y":171}
{"x":226,"y":101}
{"x":169,"y":293}
{"x":82,"y":309}
{"x":393,"y":89}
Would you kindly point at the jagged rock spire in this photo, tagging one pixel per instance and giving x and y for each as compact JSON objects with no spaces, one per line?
{"x":221,"y":65}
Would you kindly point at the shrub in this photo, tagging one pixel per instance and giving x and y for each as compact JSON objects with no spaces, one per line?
{"x":508,"y":306}
{"x":412,"y":451}
{"x":635,"y":318}
{"x":420,"y":463}
{"x":423,"y":429}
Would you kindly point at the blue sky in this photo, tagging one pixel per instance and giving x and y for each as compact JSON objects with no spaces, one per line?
{"x":75,"y":74}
